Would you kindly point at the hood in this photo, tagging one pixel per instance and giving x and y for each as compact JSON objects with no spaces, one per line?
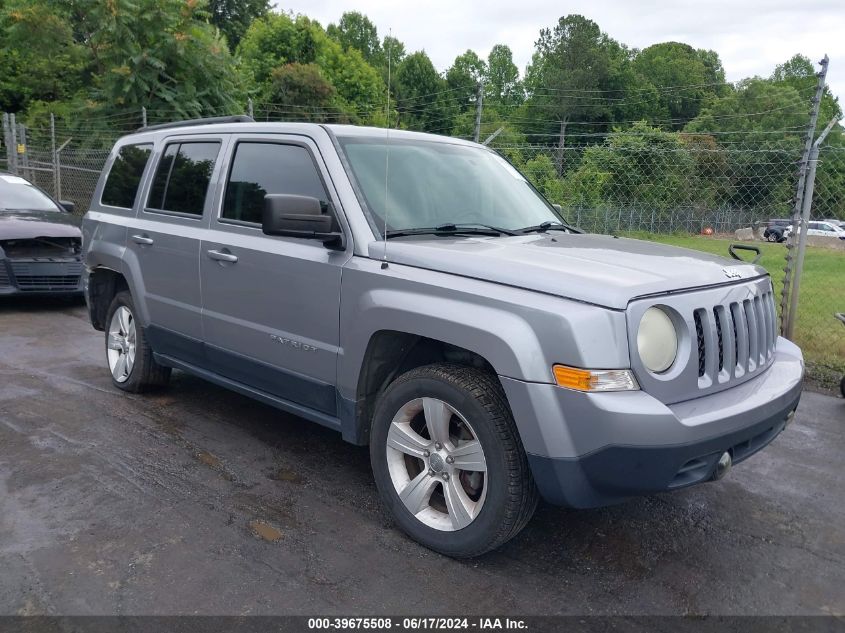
{"x":25,"y":225}
{"x":598,"y":269}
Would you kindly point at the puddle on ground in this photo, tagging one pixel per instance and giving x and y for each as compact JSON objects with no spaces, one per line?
{"x":208,"y":459}
{"x":265,"y":531}
{"x":286,"y":474}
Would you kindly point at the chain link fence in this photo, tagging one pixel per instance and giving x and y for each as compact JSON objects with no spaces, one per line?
{"x":694,"y":190}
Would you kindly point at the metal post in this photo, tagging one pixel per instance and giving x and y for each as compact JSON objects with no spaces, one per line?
{"x":24,"y":156}
{"x":785,"y":302}
{"x":478,"y":104}
{"x":249,"y":108}
{"x":53,"y":155}
{"x":13,"y":166}
{"x":59,"y":169}
{"x":7,"y":140}
{"x":806,"y":207}
{"x":144,"y":116}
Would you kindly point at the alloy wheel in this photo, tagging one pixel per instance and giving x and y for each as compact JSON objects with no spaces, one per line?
{"x":436,"y":464}
{"x":120,"y":345}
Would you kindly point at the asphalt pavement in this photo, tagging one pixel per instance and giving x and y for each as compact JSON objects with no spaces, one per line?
{"x":195,"y":500}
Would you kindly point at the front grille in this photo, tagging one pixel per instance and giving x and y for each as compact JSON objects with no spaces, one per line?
{"x":743,"y":337}
{"x":4,"y":275}
{"x":727,"y":335}
{"x":45,"y":275}
{"x":51,"y":282}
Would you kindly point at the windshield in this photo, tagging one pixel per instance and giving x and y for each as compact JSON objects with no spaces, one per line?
{"x":17,"y":194}
{"x":434,"y":183}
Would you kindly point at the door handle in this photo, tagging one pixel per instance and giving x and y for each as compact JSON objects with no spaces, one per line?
{"x":143,"y":240}
{"x":223,"y":256}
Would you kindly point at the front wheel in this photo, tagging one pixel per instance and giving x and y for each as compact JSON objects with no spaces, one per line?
{"x":448,"y":461}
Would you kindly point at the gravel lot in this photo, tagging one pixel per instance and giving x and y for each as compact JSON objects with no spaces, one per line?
{"x":196,"y":500}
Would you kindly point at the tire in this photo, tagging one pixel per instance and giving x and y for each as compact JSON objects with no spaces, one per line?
{"x":492,"y":505}
{"x":138,"y":371}
{"x":842,"y":386}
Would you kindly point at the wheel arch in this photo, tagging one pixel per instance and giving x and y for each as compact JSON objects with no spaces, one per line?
{"x":391,"y":353}
{"x":103,"y":285}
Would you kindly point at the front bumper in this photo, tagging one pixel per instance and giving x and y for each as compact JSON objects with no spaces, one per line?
{"x":40,"y":276}
{"x":588,"y":450}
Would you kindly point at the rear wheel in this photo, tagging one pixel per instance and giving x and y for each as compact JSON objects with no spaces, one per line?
{"x":448,"y":461}
{"x":129,"y":356}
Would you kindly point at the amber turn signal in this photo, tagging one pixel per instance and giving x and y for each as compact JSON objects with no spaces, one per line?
{"x":594,"y":379}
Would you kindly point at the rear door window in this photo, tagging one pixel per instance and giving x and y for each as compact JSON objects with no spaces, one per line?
{"x":262,"y":168}
{"x":182,"y":177}
{"x":125,"y":176}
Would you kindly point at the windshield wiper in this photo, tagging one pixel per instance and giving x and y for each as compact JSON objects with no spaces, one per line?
{"x":453,"y":229}
{"x":548,"y":226}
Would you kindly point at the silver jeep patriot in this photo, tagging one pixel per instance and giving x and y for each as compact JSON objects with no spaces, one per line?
{"x":418,"y":295}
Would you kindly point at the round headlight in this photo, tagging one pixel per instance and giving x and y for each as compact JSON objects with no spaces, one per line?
{"x":657,"y":340}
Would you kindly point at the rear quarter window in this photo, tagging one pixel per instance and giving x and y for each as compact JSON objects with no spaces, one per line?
{"x":125,"y":176}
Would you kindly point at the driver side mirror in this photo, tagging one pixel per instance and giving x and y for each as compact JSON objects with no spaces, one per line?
{"x":300,"y":216}
{"x":68,"y":206}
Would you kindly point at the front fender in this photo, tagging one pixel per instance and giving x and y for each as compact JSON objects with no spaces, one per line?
{"x":519,"y":332}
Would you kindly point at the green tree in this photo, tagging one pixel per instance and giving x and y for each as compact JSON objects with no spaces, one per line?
{"x":421,"y":95}
{"x":632,"y":96}
{"x":158,"y":54}
{"x":463,"y":78}
{"x":38,"y":54}
{"x":304,"y":89}
{"x":280,"y":39}
{"x":274,"y":40}
{"x":686,"y":79}
{"x":568,"y":72}
{"x":756,"y":111}
{"x":501,"y":81}
{"x":355,"y":30}
{"x":644,"y":167}
{"x":799,"y":73}
{"x":233,"y":17}
{"x":392,"y":51}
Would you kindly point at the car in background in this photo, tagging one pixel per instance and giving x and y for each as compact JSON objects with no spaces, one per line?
{"x":777,"y":230}
{"x":835,"y":222}
{"x":40,"y":241}
{"x":826,"y":228}
{"x":822,"y":228}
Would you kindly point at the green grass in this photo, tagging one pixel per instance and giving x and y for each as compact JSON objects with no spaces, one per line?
{"x":822,"y":292}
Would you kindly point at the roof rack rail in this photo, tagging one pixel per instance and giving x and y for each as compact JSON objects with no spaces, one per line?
{"x":237,"y":118}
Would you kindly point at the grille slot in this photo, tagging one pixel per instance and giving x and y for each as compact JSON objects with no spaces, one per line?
{"x":4,"y":275}
{"x":720,"y":343}
{"x":699,"y":336}
{"x":743,"y":335}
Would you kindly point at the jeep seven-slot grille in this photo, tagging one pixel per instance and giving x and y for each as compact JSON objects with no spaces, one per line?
{"x":743,"y":336}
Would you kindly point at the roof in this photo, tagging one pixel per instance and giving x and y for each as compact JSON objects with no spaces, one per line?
{"x":231,"y":125}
